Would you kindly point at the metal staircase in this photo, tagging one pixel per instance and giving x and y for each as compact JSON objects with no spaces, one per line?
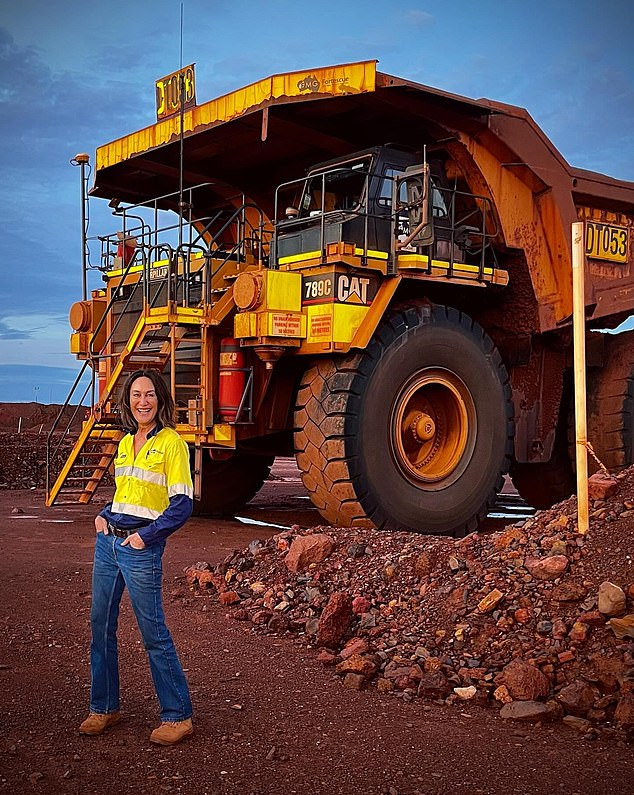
{"x":156,"y":340}
{"x":163,"y":304}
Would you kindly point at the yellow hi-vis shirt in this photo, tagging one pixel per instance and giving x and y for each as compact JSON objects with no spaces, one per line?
{"x":145,"y":484}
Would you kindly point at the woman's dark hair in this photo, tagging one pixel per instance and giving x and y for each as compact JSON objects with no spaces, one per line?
{"x":165,"y":412}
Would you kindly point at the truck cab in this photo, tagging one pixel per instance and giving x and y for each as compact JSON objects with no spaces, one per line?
{"x":371,"y":199}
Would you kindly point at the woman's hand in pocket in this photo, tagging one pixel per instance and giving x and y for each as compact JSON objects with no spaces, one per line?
{"x":134,"y":540}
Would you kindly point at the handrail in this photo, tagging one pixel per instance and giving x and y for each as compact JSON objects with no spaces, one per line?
{"x":457,"y":225}
{"x":178,"y":284}
{"x":92,"y":353}
{"x":361,"y":210}
{"x":50,"y":454}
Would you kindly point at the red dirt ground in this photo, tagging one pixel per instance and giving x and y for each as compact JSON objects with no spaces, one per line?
{"x":269,"y":719}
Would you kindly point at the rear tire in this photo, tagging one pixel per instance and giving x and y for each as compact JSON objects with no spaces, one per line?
{"x":414,"y":433}
{"x":227,"y":486}
{"x":611,"y":405}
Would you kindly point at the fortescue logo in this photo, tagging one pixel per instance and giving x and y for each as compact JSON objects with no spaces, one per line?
{"x":309,"y":83}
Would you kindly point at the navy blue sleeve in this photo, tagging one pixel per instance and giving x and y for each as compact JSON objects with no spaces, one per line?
{"x":174,"y":516}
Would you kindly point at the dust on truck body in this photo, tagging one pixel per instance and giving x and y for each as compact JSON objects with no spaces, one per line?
{"x":370,"y":274}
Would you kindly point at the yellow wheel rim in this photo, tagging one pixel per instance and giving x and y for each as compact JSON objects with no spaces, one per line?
{"x":433,"y":428}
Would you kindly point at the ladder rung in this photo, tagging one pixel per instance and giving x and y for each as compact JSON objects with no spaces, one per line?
{"x":92,"y":453}
{"x":90,"y":467}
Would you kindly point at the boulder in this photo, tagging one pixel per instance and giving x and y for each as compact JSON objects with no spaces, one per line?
{"x":612,"y":599}
{"x":490,"y":601}
{"x":577,"y":698}
{"x":624,"y":713}
{"x":357,"y":664}
{"x":354,"y":646}
{"x":360,"y":605}
{"x":622,"y":627}
{"x":549,"y":568}
{"x":434,"y":684}
{"x":524,"y":682}
{"x":334,"y":620}
{"x":601,"y":486}
{"x":529,"y":711}
{"x":306,"y":550}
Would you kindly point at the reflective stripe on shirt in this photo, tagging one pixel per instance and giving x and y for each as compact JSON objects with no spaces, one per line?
{"x":135,"y":510}
{"x":140,"y":473}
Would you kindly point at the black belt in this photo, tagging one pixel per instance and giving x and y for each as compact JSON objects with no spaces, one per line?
{"x":119,"y":532}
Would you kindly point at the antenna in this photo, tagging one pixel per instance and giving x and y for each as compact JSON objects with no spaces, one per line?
{"x":181,"y":163}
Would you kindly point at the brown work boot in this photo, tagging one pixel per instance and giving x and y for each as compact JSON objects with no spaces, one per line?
{"x":98,"y":722}
{"x":171,"y":732}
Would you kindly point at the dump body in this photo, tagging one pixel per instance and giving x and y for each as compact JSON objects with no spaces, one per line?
{"x":308,"y":236}
{"x":250,"y":141}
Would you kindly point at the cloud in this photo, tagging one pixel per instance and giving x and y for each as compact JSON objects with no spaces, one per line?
{"x":590,"y":113}
{"x":417,"y":18}
{"x":33,"y":326}
{"x":35,"y":339}
{"x":46,"y":116}
{"x":20,"y":383}
{"x":7,"y":332}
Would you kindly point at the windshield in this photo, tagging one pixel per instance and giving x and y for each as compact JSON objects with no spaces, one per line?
{"x":339,"y":189}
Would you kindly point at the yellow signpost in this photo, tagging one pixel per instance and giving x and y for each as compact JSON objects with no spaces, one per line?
{"x":579,"y":337}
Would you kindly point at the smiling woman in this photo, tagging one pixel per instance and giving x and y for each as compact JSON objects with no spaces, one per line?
{"x":153,"y":498}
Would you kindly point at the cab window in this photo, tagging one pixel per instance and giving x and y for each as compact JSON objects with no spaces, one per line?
{"x":439,"y":207}
{"x":385,"y":194}
{"x":340,"y":189}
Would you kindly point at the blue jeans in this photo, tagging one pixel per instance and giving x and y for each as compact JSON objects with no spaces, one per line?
{"x":141,"y":571}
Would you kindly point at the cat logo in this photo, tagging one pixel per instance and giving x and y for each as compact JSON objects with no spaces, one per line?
{"x":309,"y":83}
{"x":352,"y":290}
{"x":338,"y":288}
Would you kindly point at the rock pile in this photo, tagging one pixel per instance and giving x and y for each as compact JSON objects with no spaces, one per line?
{"x":24,"y":428}
{"x":536,"y":619}
{"x":23,"y":460}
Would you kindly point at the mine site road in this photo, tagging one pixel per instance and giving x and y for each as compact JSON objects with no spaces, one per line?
{"x":269,"y":719}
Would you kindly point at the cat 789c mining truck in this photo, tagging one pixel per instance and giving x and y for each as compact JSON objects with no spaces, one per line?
{"x":366,"y":272}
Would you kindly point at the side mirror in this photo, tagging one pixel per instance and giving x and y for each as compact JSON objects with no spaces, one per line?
{"x":413,"y":190}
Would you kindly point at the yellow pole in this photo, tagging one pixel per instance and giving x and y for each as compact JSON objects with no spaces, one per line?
{"x":579,"y":337}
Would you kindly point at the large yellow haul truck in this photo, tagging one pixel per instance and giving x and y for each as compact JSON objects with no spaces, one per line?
{"x":369,"y":273}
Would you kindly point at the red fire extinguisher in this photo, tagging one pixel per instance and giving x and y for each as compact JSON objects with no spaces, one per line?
{"x":125,"y":247}
{"x":232,"y":379}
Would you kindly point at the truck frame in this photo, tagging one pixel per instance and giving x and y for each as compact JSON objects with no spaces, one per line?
{"x":365,"y":272}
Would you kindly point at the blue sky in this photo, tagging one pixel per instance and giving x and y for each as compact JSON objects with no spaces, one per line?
{"x":74,"y":76}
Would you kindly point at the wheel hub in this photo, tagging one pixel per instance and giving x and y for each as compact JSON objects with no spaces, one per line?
{"x":423,"y":427}
{"x":433,"y":427}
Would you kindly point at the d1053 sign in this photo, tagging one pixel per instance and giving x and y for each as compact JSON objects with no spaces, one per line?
{"x":172,"y":89}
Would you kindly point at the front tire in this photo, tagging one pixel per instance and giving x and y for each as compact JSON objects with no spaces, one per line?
{"x":414,"y":433}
